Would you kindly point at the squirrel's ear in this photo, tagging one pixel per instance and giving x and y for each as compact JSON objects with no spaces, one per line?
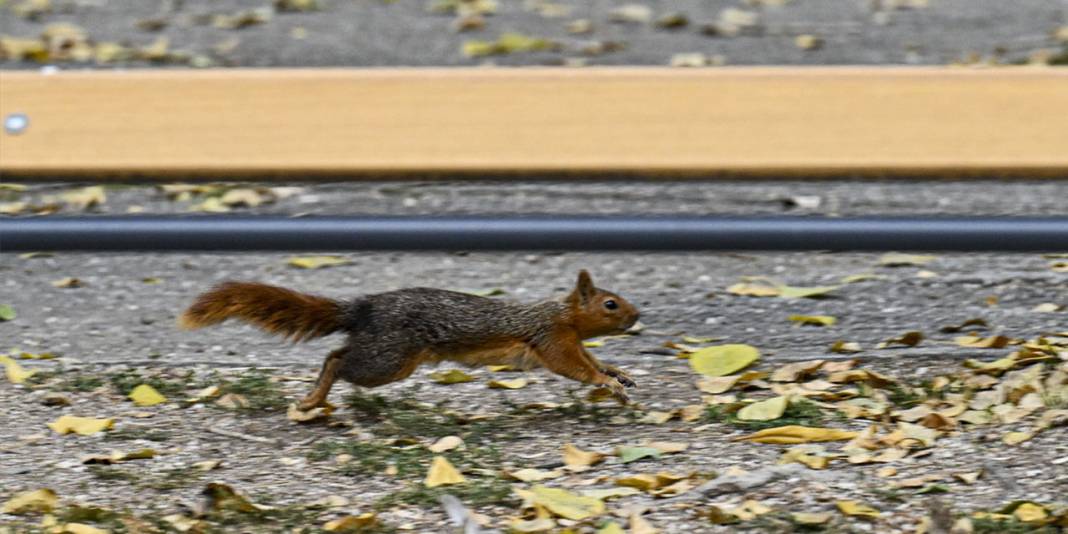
{"x":584,"y":286}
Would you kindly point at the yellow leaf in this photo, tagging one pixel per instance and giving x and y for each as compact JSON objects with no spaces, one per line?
{"x":1016,"y":438}
{"x":810,"y":519}
{"x":979,"y":342}
{"x":657,"y":418}
{"x":452,"y":376}
{"x":639,"y":525}
{"x":791,"y":292}
{"x":42,"y":501}
{"x":1030,"y":513}
{"x":576,"y":457}
{"x":814,"y":320}
{"x":717,"y":384}
{"x":846,"y":347}
{"x":539,"y":524}
{"x":766,"y":410}
{"x":611,"y":527}
{"x":442,"y":473}
{"x":317,"y":262}
{"x":351,"y":523}
{"x":793,"y":434}
{"x":610,"y":493}
{"x":295,"y":414}
{"x":722,"y":360}
{"x":801,"y":455}
{"x":566,"y":504}
{"x":754,"y":289}
{"x":146,"y":395}
{"x":534,"y":475}
{"x":515,"y":383}
{"x":81,"y":425}
{"x":593,"y":343}
{"x":796,"y":371}
{"x":669,"y":447}
{"x":82,"y":528}
{"x":446,"y":443}
{"x":15,"y":373}
{"x":853,"y":508}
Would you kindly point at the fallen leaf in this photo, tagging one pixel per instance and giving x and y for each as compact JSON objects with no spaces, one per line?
{"x":446,"y":443}
{"x":895,"y":259}
{"x":723,"y":360}
{"x":352,"y":523}
{"x":610,"y":527}
{"x":67,"y":283}
{"x":538,"y":524}
{"x":295,"y":414}
{"x":221,"y":497}
{"x":632,"y":454}
{"x":146,"y":395}
{"x":118,"y":456}
{"x":451,"y":376}
{"x":1047,"y":307}
{"x":855,"y":509}
{"x":792,"y":372}
{"x":317,"y":262}
{"x":15,"y":373}
{"x":7,"y":313}
{"x":669,"y":447}
{"x":766,"y":410}
{"x":36,"y":501}
{"x":755,"y":289}
{"x":793,"y":434}
{"x":534,"y":475}
{"x":656,"y":417}
{"x":968,"y":478}
{"x":207,"y":465}
{"x":954,"y":328}
{"x":442,"y":473}
{"x":85,"y":198}
{"x":576,"y":457}
{"x":1016,"y":438}
{"x":633,"y":13}
{"x":810,"y":519}
{"x":979,"y":342}
{"x":791,"y":292}
{"x":863,"y":277}
{"x":908,"y":339}
{"x":610,"y":493}
{"x":83,"y":426}
{"x":1029,"y":512}
{"x":82,"y":528}
{"x":639,"y":525}
{"x":566,"y":504}
{"x":808,"y":42}
{"x":814,"y":320}
{"x":515,"y":383}
{"x":846,"y":347}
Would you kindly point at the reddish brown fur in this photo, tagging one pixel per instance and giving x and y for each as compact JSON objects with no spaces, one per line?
{"x":277,"y":310}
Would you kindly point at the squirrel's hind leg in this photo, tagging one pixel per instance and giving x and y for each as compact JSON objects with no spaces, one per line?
{"x":327,"y":377}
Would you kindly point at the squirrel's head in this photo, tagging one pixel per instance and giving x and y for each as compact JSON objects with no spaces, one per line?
{"x":597,"y":312}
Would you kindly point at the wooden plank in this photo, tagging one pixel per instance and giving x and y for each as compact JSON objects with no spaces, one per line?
{"x":627,"y":122}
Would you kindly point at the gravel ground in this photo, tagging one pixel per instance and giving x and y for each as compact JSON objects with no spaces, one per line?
{"x":116,"y":325}
{"x":115,"y":328}
{"x":408,"y":33}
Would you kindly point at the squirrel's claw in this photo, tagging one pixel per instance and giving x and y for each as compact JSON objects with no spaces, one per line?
{"x":621,"y":376}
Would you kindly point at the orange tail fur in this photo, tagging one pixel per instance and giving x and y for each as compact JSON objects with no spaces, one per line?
{"x":296,"y":316}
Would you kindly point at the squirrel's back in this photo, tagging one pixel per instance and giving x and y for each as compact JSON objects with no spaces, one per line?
{"x":442,"y":318}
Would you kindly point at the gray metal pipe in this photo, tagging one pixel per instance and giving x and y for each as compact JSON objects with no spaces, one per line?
{"x":545,"y":232}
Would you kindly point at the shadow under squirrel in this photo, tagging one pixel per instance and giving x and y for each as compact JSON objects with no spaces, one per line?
{"x":391,"y":334}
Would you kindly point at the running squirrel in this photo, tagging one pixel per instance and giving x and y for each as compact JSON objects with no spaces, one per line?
{"x":391,"y":334}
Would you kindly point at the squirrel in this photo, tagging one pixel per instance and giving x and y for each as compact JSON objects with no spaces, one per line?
{"x":391,"y":334}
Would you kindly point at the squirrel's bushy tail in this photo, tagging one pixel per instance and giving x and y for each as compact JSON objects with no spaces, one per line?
{"x":296,"y":316}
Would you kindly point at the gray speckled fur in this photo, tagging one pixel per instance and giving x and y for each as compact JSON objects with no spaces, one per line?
{"x":399,"y":324}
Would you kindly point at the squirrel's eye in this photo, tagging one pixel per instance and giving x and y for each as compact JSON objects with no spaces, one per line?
{"x":610,"y":304}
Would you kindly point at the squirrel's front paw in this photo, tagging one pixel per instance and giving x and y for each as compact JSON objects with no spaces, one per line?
{"x":620,"y":375}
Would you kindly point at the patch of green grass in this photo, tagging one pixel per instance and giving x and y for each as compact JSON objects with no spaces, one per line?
{"x":408,"y":419}
{"x":101,"y":472}
{"x":1011,"y":526}
{"x":125,"y":381}
{"x":256,"y":386}
{"x":800,"y":412}
{"x":889,"y":494}
{"x":410,"y":461}
{"x":474,"y":493}
{"x":905,"y":397}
